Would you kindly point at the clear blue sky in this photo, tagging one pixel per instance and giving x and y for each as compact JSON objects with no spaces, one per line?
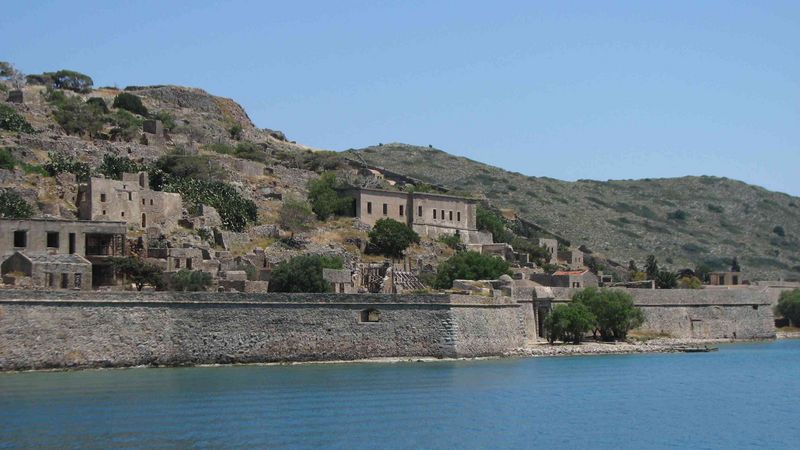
{"x":569,"y":90}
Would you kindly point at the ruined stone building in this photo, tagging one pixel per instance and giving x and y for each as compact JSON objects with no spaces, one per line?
{"x":60,"y":253}
{"x":725,"y":278}
{"x":552,"y":249}
{"x":131,"y":201}
{"x":567,"y":279}
{"x":572,"y":259}
{"x":428,"y":214}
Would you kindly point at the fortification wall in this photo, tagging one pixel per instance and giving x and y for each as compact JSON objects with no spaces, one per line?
{"x":741,"y":313}
{"x":93,"y":329}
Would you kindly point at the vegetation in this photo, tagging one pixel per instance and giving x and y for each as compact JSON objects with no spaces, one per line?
{"x":491,"y":222}
{"x":613,"y":310}
{"x":235,"y":131}
{"x":10,"y":120}
{"x":234,"y":209}
{"x":60,"y":163}
{"x":453,"y":241}
{"x":568,"y":323}
{"x":325,"y":199}
{"x":302,"y":274}
{"x":469,"y":266}
{"x":130,"y":102}
{"x":138,"y":272}
{"x":666,"y":280}
{"x":70,"y":80}
{"x":126,"y":125}
{"x":690,"y":282}
{"x":98,"y":103}
{"x":166,"y":120}
{"x":295,"y":215}
{"x":13,"y":206}
{"x":114,"y":166}
{"x":7,"y":160}
{"x":190,"y":280}
{"x":789,"y":306}
{"x":75,"y":116}
{"x":391,"y":238}
{"x":735,"y":265}
{"x":651,"y":267}
{"x":177,"y":165}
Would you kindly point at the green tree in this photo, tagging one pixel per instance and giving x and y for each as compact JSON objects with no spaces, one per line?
{"x":391,"y":238}
{"x":295,"y":215}
{"x":59,"y":163}
{"x":75,"y":116}
{"x":486,"y":220}
{"x":167,"y":120}
{"x":13,"y":206}
{"x":114,"y":166}
{"x":7,"y":160}
{"x":469,"y":265}
{"x":666,"y":280}
{"x":453,"y":241}
{"x":613,"y":310}
{"x":70,"y":80}
{"x":10,"y":120}
{"x":302,"y":274}
{"x":235,"y":131}
{"x":324,"y":198}
{"x":690,"y":283}
{"x":98,"y":104}
{"x":130,"y":102}
{"x":651,"y":267}
{"x":126,"y":125}
{"x":568,"y":323}
{"x":789,"y":306}
{"x":190,"y":280}
{"x":138,"y":272}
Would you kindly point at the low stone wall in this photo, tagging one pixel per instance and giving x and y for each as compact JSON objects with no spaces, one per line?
{"x":741,"y":313}
{"x":41,"y":330}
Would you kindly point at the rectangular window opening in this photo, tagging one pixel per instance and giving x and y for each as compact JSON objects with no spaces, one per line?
{"x":102,"y":197}
{"x":20,"y":238}
{"x":451,"y":215}
{"x":419,"y":211}
{"x":369,"y":207}
{"x":434,"y":214}
{"x":52,"y":239}
{"x":401,"y":211}
{"x":458,"y":216}
{"x":385,"y":209}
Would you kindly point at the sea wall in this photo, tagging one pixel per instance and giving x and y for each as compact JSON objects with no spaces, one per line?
{"x":740,"y":313}
{"x":95,"y":329}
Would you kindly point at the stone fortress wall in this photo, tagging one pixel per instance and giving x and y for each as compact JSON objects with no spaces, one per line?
{"x":72,"y":329}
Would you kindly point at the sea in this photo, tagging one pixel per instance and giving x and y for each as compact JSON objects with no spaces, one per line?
{"x":742,"y":396}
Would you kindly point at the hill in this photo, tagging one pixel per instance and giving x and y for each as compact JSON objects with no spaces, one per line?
{"x":685,"y":222}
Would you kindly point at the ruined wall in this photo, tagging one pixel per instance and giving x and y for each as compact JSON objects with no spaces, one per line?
{"x":741,"y":313}
{"x":95,"y":329}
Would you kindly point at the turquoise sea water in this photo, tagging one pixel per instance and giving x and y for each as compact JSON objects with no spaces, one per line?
{"x":744,"y":396}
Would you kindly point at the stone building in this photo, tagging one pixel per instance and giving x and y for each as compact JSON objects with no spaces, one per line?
{"x":572,"y":259}
{"x":48,"y":271}
{"x":725,"y":278}
{"x":131,"y":201}
{"x":552,"y":248}
{"x":93,"y":242}
{"x":428,"y":214}
{"x":567,"y":279}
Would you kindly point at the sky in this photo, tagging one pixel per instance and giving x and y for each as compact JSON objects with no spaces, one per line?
{"x":568,"y":89}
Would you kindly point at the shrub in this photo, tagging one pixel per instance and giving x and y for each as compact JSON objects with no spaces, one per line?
{"x":13,"y":206}
{"x":220,"y":147}
{"x":391,"y":238}
{"x":138,"y":272}
{"x":178,"y":165}
{"x":130,"y":102}
{"x":651,"y":267}
{"x":779,"y":231}
{"x":487,"y":220}
{"x":295,"y":215}
{"x":114,"y":166}
{"x":235,"y":131}
{"x":322,"y":160}
{"x":75,"y":116}
{"x":302,"y":274}
{"x":690,"y":283}
{"x":7,"y":160}
{"x":666,"y":280}
{"x":469,"y":265}
{"x":324,"y":198}
{"x":166,"y":120}
{"x":613,"y":310}
{"x":70,"y":80}
{"x":10,"y":120}
{"x":678,"y":214}
{"x":453,"y":241}
{"x":190,"y":280}
{"x":789,"y":306}
{"x":60,"y":163}
{"x":126,"y":125}
{"x":568,"y":323}
{"x":99,"y":104}
{"x":234,"y":209}
{"x":251,"y":151}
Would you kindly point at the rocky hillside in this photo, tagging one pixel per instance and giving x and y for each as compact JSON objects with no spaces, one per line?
{"x":684,"y":221}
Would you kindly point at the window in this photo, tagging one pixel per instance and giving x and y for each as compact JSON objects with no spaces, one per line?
{"x":451,"y":215}
{"x":151,"y":202}
{"x":458,"y":216}
{"x":64,"y":280}
{"x":143,"y":202}
{"x":189,"y":263}
{"x":401,"y":210}
{"x":130,"y":196}
{"x":576,"y":284}
{"x":369,"y":207}
{"x":735,"y":279}
{"x":20,"y":238}
{"x":370,"y":315}
{"x":434,"y":214}
{"x":104,"y":212}
{"x":71,"y":243}
{"x":52,"y":239}
{"x":419,"y":211}
{"x":102,"y":197}
{"x":442,"y":214}
{"x":177,"y":263}
{"x":78,"y":279}
{"x":385,"y":209}
{"x":48,"y":279}
{"x":122,"y":214}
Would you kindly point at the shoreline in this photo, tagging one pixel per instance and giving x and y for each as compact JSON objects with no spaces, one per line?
{"x":537,"y":350}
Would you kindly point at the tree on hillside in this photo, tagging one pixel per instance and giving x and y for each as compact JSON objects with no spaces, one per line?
{"x":469,"y":265}
{"x":130,"y":102}
{"x":295,"y":215}
{"x":13,"y":206}
{"x":10,"y":73}
{"x":486,"y":220}
{"x":325,"y":199}
{"x":614,"y":312}
{"x":138,"y":272}
{"x":302,"y":274}
{"x":651,"y":267}
{"x":735,"y":265}
{"x":391,"y":238}
{"x":666,"y":280}
{"x":64,"y":79}
{"x":568,"y":323}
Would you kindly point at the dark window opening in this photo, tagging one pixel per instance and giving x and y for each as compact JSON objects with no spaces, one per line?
{"x":370,"y":315}
{"x":130,"y":196}
{"x":144,"y":220}
{"x":369,"y":207}
{"x":189,"y":263}
{"x":71,"y":243}
{"x":102,"y":197}
{"x":419,"y":211}
{"x":458,"y":216}
{"x":64,"y":280}
{"x":20,"y":238}
{"x":52,"y":239}
{"x":735,"y":279}
{"x":177,"y":263}
{"x":451,"y":215}
{"x":385,"y":209}
{"x":434,"y":214}
{"x":143,"y":202}
{"x":401,"y":211}
{"x":151,"y":202}
{"x":122,"y":214}
{"x":78,"y":280}
{"x":442,"y":214}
